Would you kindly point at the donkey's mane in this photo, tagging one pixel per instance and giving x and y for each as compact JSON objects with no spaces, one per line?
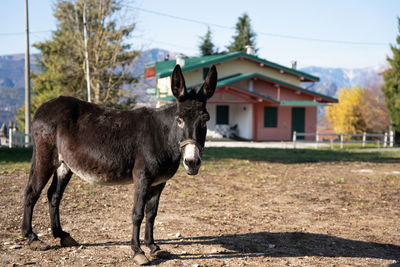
{"x":166,"y":106}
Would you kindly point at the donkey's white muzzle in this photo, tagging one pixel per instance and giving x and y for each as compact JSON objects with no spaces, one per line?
{"x":191,"y":159}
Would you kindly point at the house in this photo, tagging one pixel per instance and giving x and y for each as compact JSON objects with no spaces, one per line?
{"x":264,"y":99}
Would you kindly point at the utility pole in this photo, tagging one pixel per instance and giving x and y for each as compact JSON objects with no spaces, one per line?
{"x":27,"y":80}
{"x":86,"y":51}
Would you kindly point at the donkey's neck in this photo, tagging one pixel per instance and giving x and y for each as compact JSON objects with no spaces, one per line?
{"x":169,"y":126}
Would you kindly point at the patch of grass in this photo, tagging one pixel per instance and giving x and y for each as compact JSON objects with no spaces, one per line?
{"x":341,"y":180}
{"x":323,"y":180}
{"x":12,"y":159}
{"x":346,"y":145}
{"x":19,"y":238}
{"x":396,"y":183}
{"x":300,"y":155}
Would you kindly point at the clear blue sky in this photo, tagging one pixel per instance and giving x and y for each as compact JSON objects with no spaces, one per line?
{"x":371,"y":22}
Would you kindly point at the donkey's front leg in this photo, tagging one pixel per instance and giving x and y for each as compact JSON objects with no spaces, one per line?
{"x":142,"y":187}
{"x":153,"y":198}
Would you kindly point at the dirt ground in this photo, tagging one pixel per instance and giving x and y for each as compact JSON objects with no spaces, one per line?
{"x":234,"y":213}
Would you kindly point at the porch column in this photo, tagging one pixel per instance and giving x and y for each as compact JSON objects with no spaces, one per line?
{"x":255,"y":122}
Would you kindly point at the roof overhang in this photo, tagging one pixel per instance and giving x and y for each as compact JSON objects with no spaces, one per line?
{"x":243,"y":96}
{"x":298,"y":90}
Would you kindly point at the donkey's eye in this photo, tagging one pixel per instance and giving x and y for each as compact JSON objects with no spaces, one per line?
{"x":203,"y":121}
{"x":180,"y":122}
{"x":205,"y":118}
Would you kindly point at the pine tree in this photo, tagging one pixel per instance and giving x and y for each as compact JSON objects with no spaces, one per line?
{"x":62,"y":69}
{"x":245,"y":36}
{"x":391,"y":87}
{"x":206,"y":46}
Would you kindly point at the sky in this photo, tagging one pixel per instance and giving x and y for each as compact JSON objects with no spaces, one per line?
{"x":325,"y":33}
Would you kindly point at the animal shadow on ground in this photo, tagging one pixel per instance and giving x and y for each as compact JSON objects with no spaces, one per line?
{"x":281,"y":244}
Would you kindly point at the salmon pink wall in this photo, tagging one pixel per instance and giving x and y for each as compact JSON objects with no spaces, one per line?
{"x":265,"y":88}
{"x":311,"y":122}
{"x":283,"y":131}
{"x":288,"y":94}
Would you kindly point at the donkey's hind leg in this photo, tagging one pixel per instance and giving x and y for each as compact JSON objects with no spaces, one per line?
{"x":60,"y":181}
{"x":41,"y":170}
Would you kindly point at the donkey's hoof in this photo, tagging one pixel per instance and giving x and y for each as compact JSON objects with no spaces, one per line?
{"x":68,"y":241}
{"x":141,"y":259}
{"x":160,"y":254}
{"x":38,"y":245}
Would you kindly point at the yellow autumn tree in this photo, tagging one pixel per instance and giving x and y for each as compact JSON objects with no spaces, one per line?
{"x":345,"y":116}
{"x":359,"y":110}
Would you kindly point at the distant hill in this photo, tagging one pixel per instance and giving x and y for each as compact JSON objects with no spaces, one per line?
{"x":12,"y":70}
{"x":12,"y":84}
{"x":12,"y":79}
{"x":333,"y":79}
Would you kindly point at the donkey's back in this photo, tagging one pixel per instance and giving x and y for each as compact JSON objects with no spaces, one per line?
{"x":97,"y":143}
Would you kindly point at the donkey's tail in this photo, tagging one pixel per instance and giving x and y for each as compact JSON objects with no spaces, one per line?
{"x":33,"y":160}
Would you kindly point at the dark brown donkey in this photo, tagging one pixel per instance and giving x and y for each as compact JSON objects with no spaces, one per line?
{"x":103,"y":145}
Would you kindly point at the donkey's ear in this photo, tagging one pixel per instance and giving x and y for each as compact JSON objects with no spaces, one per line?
{"x":208,"y":87}
{"x":178,"y":86}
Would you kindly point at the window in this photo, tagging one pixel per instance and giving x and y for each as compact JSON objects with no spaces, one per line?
{"x":271,"y":117}
{"x":222,"y":114}
{"x":205,"y":72}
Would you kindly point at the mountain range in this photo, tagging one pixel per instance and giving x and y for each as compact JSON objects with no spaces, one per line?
{"x":331,"y":79}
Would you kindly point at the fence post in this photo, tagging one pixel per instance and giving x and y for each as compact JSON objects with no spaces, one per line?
{"x":317,"y":138}
{"x":391,"y":138}
{"x":294,"y":139}
{"x":10,"y":137}
{"x":331,"y":140}
{"x":341,"y":141}
{"x":385,"y":139}
{"x":364,"y":138}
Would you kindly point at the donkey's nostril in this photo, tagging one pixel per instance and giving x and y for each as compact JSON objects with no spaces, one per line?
{"x":192,"y":163}
{"x":189,"y":163}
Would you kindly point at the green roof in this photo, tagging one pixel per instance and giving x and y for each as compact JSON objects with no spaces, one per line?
{"x":300,"y":103}
{"x":230,"y":80}
{"x":165,"y":98}
{"x":165,"y":68}
{"x":239,"y":77}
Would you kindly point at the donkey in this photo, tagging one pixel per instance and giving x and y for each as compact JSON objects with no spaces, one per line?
{"x":103,"y":145}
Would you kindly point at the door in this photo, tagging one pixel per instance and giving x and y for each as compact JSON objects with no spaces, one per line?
{"x":222,"y":115}
{"x":298,"y":121}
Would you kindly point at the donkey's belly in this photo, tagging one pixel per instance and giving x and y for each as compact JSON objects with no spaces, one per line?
{"x":96,"y":175}
{"x":102,"y":178}
{"x":160,"y":180}
{"x":95,"y":170}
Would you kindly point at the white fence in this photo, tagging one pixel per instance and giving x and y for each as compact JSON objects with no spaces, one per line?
{"x":386,"y":139}
{"x":17,"y":139}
